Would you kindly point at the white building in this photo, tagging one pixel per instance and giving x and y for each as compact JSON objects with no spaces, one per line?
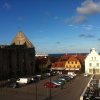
{"x":92,"y":62}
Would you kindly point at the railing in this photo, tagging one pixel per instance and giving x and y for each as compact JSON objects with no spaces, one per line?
{"x":82,"y":95}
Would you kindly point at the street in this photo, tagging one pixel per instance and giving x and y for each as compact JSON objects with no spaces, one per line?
{"x":36,"y":91}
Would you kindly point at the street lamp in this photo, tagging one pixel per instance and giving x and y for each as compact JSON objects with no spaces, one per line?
{"x":49,"y":69}
{"x":50,"y":96}
{"x":36,"y":90}
{"x":50,"y":89}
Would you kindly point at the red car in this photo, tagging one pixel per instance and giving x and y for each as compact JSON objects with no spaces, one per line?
{"x":50,"y":85}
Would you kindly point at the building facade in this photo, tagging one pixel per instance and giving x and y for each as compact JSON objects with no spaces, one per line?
{"x":18,"y":58}
{"x":73,"y":64}
{"x":92,"y":62}
{"x":68,"y":63}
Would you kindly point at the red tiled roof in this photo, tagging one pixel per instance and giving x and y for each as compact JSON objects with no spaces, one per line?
{"x":59,"y":64}
{"x":64,"y":57}
{"x":72,"y":58}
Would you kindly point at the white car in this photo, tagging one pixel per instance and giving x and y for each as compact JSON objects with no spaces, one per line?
{"x":24,"y":80}
{"x":72,"y":74}
{"x":85,"y":74}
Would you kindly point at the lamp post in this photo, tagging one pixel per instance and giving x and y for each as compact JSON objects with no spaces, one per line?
{"x":49,"y":67}
{"x":36,"y":91}
{"x":50,"y":89}
{"x":50,"y":95}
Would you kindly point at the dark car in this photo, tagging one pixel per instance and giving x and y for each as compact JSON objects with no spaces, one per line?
{"x":50,"y":85}
{"x":35,"y":79}
{"x":67,"y":78}
{"x":58,"y":82}
{"x":61,"y":79}
{"x":13,"y":85}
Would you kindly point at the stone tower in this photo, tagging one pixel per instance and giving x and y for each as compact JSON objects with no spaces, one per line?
{"x":18,"y":58}
{"x":21,"y":39}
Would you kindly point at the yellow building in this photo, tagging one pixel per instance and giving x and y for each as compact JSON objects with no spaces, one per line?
{"x":72,"y":64}
{"x":68,"y":63}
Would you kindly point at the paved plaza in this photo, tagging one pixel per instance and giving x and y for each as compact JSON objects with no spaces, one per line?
{"x":36,"y":91}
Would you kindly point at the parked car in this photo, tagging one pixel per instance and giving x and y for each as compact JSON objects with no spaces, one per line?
{"x":85,"y":74}
{"x":72,"y":74}
{"x":13,"y":85}
{"x":39,"y":76}
{"x":53,"y":73}
{"x":58,"y":82}
{"x":25,"y":80}
{"x":67,"y":78}
{"x":61,"y":79}
{"x":50,"y":85}
{"x":44,"y":76}
{"x":35,"y":79}
{"x":48,"y":74}
{"x":12,"y":80}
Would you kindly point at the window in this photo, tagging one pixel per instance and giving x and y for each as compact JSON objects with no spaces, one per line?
{"x":90,"y":71}
{"x":90,"y":64}
{"x":69,"y":66}
{"x":97,"y":64}
{"x":78,"y":66}
{"x":97,"y":70}
{"x":66,"y":66}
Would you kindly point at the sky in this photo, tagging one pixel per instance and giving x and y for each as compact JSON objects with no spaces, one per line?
{"x":53,"y":26}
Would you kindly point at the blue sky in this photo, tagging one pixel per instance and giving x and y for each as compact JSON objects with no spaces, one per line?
{"x":53,"y":26}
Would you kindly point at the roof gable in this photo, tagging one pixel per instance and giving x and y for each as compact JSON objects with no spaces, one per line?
{"x":72,"y":58}
{"x":20,"y":39}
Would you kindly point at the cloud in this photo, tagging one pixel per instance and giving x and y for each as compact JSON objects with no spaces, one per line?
{"x":86,"y":36}
{"x":76,"y":20}
{"x":88,"y":27}
{"x":82,"y":35}
{"x":98,"y":39}
{"x":89,"y":7}
{"x":7,"y":5}
{"x":90,"y":36}
{"x":58,"y":42}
